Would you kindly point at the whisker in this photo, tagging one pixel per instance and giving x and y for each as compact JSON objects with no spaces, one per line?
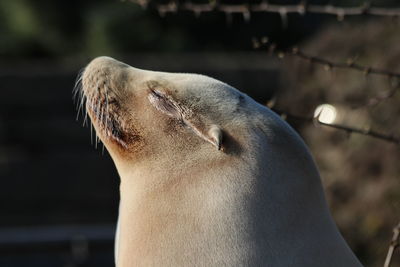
{"x":82,"y":101}
{"x":101,"y":119}
{"x":97,"y":110}
{"x":78,"y":85}
{"x":80,"y":107}
{"x":90,"y":104}
{"x":85,"y":116}
{"x":107,"y":109}
{"x":77,"y":91}
{"x":95,"y":141}
{"x":110,"y":89}
{"x":91,"y":134}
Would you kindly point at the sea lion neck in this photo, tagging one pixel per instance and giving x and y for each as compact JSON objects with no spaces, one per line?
{"x":253,"y":213}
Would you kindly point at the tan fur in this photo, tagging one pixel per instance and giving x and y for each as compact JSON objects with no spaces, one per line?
{"x":208,"y":176}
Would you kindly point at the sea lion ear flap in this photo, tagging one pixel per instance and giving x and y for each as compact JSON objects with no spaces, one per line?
{"x":212,"y":133}
{"x":215,"y":136}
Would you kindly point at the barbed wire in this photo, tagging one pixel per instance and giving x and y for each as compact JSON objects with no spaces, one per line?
{"x":327,"y":64}
{"x":302,"y":8}
{"x":394,"y":244}
{"x":392,"y":76}
{"x":315,"y":120}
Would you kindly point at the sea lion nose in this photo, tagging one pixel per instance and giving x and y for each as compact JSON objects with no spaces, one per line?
{"x":104,"y":71}
{"x":104,"y":65}
{"x":105,"y":60}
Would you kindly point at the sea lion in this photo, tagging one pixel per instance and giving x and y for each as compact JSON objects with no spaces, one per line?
{"x":208,"y":176}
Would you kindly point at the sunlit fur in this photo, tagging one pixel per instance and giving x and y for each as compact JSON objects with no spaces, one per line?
{"x":257,"y":201}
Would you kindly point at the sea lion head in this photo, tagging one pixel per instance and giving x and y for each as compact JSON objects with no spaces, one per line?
{"x":137,"y":113}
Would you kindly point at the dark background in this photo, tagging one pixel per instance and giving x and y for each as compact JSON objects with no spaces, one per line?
{"x":58,"y":193}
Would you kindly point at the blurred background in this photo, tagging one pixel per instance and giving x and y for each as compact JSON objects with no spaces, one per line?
{"x":59,"y":193}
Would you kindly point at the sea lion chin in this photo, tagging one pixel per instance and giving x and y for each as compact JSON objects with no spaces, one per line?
{"x":208,"y":176}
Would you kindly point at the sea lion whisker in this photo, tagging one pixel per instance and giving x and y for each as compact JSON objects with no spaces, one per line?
{"x":78,"y":103}
{"x":80,"y":92}
{"x":81,"y":102}
{"x":85,"y":118}
{"x":107,"y":110}
{"x":86,"y":111}
{"x":116,"y":93}
{"x":109,"y":88}
{"x":78,"y":84}
{"x":96,"y":141}
{"x":77,"y":89}
{"x":91,"y":134}
{"x":77,"y":115}
{"x":102,"y":149}
{"x":101,"y":110}
{"x":87,"y":104}
{"x":79,"y":77}
{"x":80,"y":106}
{"x":97,"y":108}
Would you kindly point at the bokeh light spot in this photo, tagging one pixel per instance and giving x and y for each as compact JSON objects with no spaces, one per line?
{"x":325,"y":113}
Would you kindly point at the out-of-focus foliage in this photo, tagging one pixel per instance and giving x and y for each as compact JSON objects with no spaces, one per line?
{"x":361,"y":174}
{"x":71,"y":28}
{"x":62,"y":29}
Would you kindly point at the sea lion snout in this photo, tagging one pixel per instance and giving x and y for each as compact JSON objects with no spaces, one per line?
{"x":105,"y":71}
{"x":105,"y":88}
{"x":106,"y":62}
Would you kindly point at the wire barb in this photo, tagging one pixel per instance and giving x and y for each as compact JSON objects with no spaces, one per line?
{"x":302,"y":8}
{"x":328,"y":64}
